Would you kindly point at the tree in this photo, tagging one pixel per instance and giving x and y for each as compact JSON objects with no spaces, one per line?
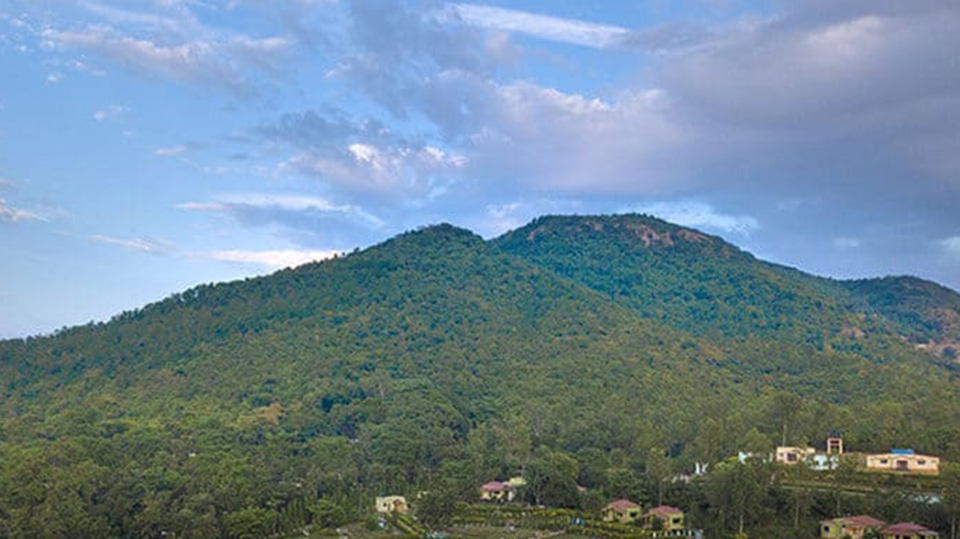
{"x":738,"y":489}
{"x":250,"y":523}
{"x":785,"y":408}
{"x":552,"y":479}
{"x":844,"y":474}
{"x":658,"y":470}
{"x":515,"y":437}
{"x":951,"y":497}
{"x":435,"y":508}
{"x":327,"y":514}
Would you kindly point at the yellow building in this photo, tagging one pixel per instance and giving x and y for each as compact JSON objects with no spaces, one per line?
{"x":497,"y":491}
{"x":391,"y":504}
{"x":670,"y":518}
{"x":851,"y":527}
{"x":793,"y":455}
{"x":623,"y":511}
{"x":903,"y":460}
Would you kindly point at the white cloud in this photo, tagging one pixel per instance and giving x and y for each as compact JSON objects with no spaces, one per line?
{"x":540,"y":26}
{"x":217,"y":61}
{"x":146,"y":245}
{"x":203,"y":206}
{"x":275,"y":259}
{"x":113,"y":112}
{"x":172,"y":151}
{"x":11,"y":214}
{"x":6,"y":183}
{"x":951,"y":246}
{"x":548,"y":139}
{"x":698,"y":214}
{"x":382,"y":169}
{"x":845,"y":242}
{"x":238,"y":204}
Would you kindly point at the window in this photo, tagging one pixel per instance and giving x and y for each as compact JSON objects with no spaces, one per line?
{"x":922,"y":462}
{"x":883,"y":461}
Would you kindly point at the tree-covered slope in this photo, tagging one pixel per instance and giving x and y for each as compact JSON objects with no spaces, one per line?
{"x":691,"y":280}
{"x":438,"y":358}
{"x":927,"y":313}
{"x":680,"y":276}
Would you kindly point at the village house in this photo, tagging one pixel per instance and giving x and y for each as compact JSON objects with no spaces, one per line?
{"x":495,"y":491}
{"x":391,"y":504}
{"x":907,"y":530}
{"x":623,"y":511}
{"x":664,"y":517}
{"x":852,"y":527}
{"x":903,"y":460}
{"x":813,"y":459}
{"x":793,"y":455}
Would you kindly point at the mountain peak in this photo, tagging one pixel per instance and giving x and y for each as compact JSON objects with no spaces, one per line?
{"x":637,"y":229}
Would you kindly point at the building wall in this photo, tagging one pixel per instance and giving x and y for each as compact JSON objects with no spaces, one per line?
{"x":793,"y":455}
{"x":903,"y":463}
{"x":610,"y":514}
{"x":837,"y":530}
{"x":832,"y":530}
{"x":389,"y":504}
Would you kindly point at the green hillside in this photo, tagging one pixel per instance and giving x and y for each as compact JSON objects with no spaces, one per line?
{"x":680,"y":276}
{"x":577,"y":350}
{"x":691,"y":280}
{"x":929,"y":314}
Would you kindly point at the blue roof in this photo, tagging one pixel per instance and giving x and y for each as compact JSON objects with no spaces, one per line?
{"x":901,"y":451}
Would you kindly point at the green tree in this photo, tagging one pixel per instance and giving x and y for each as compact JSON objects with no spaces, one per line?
{"x":327,"y":514}
{"x":950,"y":473}
{"x":250,"y":523}
{"x":738,"y":490}
{"x":658,"y":470}
{"x":552,"y":479}
{"x":435,"y":508}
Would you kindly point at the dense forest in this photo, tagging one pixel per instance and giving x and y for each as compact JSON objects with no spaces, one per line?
{"x":609,"y":352}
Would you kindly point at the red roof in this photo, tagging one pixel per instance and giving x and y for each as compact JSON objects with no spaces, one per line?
{"x":494,"y":486}
{"x":663,"y":512}
{"x":909,"y":528}
{"x":623,"y":504}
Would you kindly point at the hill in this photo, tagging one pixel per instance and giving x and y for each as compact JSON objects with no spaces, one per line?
{"x":436,"y":358}
{"x":701,"y":283}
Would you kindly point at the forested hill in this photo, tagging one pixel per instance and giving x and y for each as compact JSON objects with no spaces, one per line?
{"x":695,"y":281}
{"x":575,"y":347}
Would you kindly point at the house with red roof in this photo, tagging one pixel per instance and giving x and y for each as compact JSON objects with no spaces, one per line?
{"x":497,"y":491}
{"x":907,"y":530}
{"x":623,"y":511}
{"x":664,"y":517}
{"x":853,"y":527}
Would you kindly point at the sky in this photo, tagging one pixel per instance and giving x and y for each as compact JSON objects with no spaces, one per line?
{"x":147,"y":146}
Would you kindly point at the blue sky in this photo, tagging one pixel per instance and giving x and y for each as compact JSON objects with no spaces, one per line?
{"x":150,"y":145}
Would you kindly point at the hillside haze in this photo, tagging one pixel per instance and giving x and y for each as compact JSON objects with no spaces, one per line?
{"x":439,"y":357}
